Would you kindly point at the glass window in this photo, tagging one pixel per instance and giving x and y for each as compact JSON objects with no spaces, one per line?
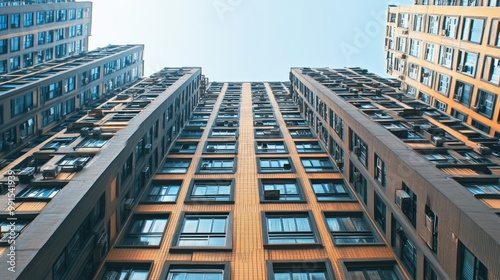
{"x":6,"y":229}
{"x":299,"y":271}
{"x":380,"y":212}
{"x":217,"y":165}
{"x":330,"y":190}
{"x":318,"y":164}
{"x":4,"y":19}
{"x":27,"y":19}
{"x":199,"y":271}
{"x":308,"y":147}
{"x":184,"y":147}
{"x":485,"y":103}
{"x":274,"y":190}
{"x":289,"y":228}
{"x":211,"y":190}
{"x":463,"y":93}
{"x":39,"y":192}
{"x":473,"y":30}
{"x":275,"y":165}
{"x":271,"y":147}
{"x":380,"y":171}
{"x":204,"y":230}
{"x":163,"y":191}
{"x":176,"y":165}
{"x":373,"y":270}
{"x":222,"y":132}
{"x":347,"y":228}
{"x":126,"y":271}
{"x":145,"y":230}
{"x":15,"y":20}
{"x":359,"y":148}
{"x":221,"y":147}
{"x":471,"y":268}
{"x":15,"y":44}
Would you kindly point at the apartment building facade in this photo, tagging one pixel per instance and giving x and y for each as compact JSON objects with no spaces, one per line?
{"x":33,"y":101}
{"x":76,"y":190}
{"x":447,"y":53}
{"x":34,"y":32}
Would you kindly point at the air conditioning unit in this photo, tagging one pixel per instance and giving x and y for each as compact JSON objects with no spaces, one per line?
{"x":85,"y":132}
{"x":101,"y":248}
{"x":401,"y":77}
{"x":356,"y":150}
{"x":129,"y":203}
{"x":211,"y":149}
{"x":287,"y":166}
{"x":444,"y":32}
{"x":475,"y":108}
{"x":97,"y":131}
{"x":403,"y":199}
{"x":405,"y":32}
{"x":272,"y":194}
{"x":403,"y":56}
{"x":51,"y":171}
{"x":437,"y":141}
{"x":460,"y":67}
{"x":147,"y":149}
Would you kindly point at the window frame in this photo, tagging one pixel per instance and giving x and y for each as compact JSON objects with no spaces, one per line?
{"x":217,"y":151}
{"x":300,"y":192}
{"x":221,"y":170}
{"x":275,"y":142}
{"x":125,"y":264}
{"x":168,"y":265}
{"x":174,"y":159}
{"x":376,"y":263}
{"x":261,"y":170}
{"x":161,"y":183}
{"x":300,"y":266}
{"x":293,"y":214}
{"x":367,"y":223}
{"x":189,"y":195}
{"x":174,"y":247}
{"x":318,"y":169}
{"x":144,"y":216}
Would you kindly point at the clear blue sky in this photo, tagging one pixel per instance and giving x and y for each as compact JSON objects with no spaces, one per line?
{"x":247,"y":40}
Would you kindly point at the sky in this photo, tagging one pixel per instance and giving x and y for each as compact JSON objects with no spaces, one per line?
{"x":247,"y":40}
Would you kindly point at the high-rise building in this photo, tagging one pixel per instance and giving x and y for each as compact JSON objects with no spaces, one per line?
{"x":336,"y":174}
{"x":33,"y":101}
{"x":33,"y":32}
{"x":75,"y":191}
{"x":447,"y":53}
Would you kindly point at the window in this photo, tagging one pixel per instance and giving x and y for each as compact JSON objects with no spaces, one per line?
{"x":450,"y":25}
{"x":191,"y":133}
{"x":323,"y":164}
{"x":459,"y":115}
{"x":372,"y":270}
{"x":211,"y":190}
{"x":491,"y":70}
{"x":446,"y":56}
{"x":379,"y":211}
{"x":401,"y":44}
{"x":217,"y":165}
{"x":163,"y":191}
{"x":403,"y":20}
{"x":433,"y":27}
{"x":463,"y":93}
{"x":145,"y":230}
{"x":471,"y":268}
{"x":411,"y":211}
{"x":440,"y":105}
{"x":15,"y":20}
{"x":276,"y":190}
{"x":359,"y":182}
{"x":15,"y":44}
{"x":301,"y":133}
{"x":467,"y":63}
{"x":349,"y":228}
{"x":429,"y":52}
{"x":184,"y":147}
{"x":308,"y":147}
{"x":222,"y":132}
{"x":268,"y":133}
{"x":6,"y":229}
{"x":195,"y":271}
{"x":314,"y":270}
{"x":203,"y":231}
{"x":413,"y":70}
{"x":473,"y":30}
{"x":4,"y":22}
{"x":73,"y":163}
{"x":494,"y":33}
{"x":28,"y":41}
{"x":483,"y":189}
{"x":289,"y":228}
{"x":40,"y":17}
{"x":359,"y":148}
{"x":426,"y":76}
{"x":176,"y":165}
{"x":221,"y":147}
{"x":415,"y":47}
{"x":119,"y":271}
{"x":418,"y":23}
{"x":330,"y":190}
{"x":485,"y":103}
{"x":38,"y":192}
{"x":275,"y":165}
{"x":270,"y":147}
{"x":443,"y":84}
{"x":380,"y":171}
{"x":27,"y":19}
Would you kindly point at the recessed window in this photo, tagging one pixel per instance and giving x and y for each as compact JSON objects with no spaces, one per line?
{"x":59,"y":142}
{"x":380,"y":171}
{"x":196,"y":271}
{"x":191,"y":133}
{"x":473,"y":30}
{"x":265,"y":123}
{"x":217,"y":165}
{"x":11,"y":233}
{"x":184,"y":147}
{"x":350,"y":228}
{"x":308,"y":147}
{"x":224,"y":132}
{"x":72,"y":163}
{"x":163,"y":191}
{"x":37,"y":192}
{"x":303,"y":270}
{"x":92,"y":143}
{"x":275,"y":165}
{"x":203,"y":231}
{"x":289,"y":228}
{"x":301,"y":133}
{"x":371,"y":270}
{"x":330,"y":190}
{"x":176,"y":165}
{"x":221,"y":147}
{"x":268,"y":133}
{"x":225,"y":123}
{"x":359,"y":148}
{"x":470,"y":266}
{"x":485,"y":103}
{"x":280,"y":190}
{"x":211,"y":191}
{"x":145,"y":230}
{"x":270,"y":147}
{"x":135,"y":271}
{"x":323,"y":164}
